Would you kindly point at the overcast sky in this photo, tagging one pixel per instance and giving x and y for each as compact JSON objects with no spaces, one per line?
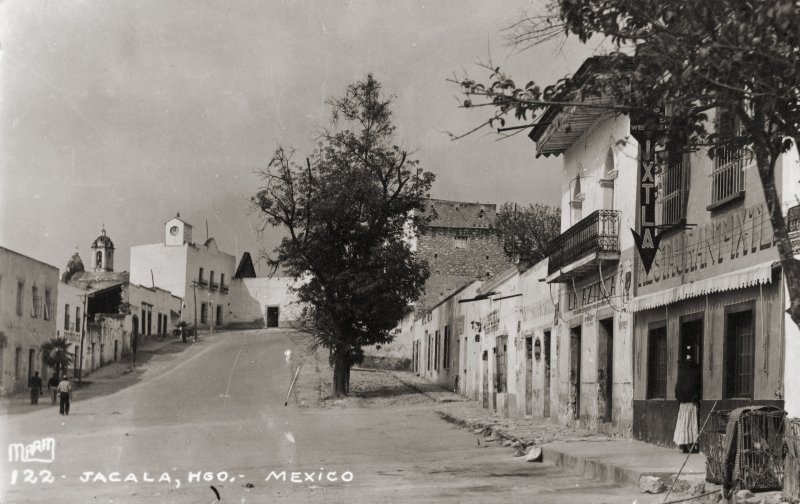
{"x":124,"y":112}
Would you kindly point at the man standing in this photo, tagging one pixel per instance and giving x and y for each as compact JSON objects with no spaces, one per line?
{"x":36,"y":387}
{"x":64,"y":393}
{"x":52,"y":386}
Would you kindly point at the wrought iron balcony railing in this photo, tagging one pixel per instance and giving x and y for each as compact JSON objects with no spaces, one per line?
{"x":598,"y":232}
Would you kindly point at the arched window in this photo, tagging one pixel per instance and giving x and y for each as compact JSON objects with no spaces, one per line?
{"x":607,"y":181}
{"x":576,"y":201}
{"x":99,"y":259}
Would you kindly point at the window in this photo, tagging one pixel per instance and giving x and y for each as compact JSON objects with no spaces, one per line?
{"x":17,"y":363}
{"x":66,"y":317}
{"x":727,"y":177}
{"x":203,"y":313}
{"x":673,"y":192}
{"x":460,"y":242}
{"x":46,"y":311}
{"x":211,"y":279}
{"x":739,"y":351}
{"x":436,"y":354}
{"x":657,"y":361}
{"x":200,"y":278}
{"x":446,"y":356}
{"x":429,"y":340}
{"x":77,"y":319}
{"x":34,"y":301}
{"x":20,"y":290}
{"x":222,"y":281}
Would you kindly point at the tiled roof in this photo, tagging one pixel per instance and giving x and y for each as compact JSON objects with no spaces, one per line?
{"x":462,"y":215}
{"x":95,"y":280}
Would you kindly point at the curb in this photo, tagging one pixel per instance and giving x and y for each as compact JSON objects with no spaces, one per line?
{"x":590,"y":467}
{"x":415,"y":388}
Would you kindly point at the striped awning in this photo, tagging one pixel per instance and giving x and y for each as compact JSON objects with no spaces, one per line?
{"x":755,"y":275}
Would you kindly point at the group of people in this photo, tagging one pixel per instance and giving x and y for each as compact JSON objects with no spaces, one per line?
{"x":61,"y":390}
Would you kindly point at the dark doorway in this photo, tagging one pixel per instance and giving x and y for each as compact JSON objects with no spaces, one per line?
{"x":501,"y":383}
{"x":529,"y":375}
{"x":485,"y":379}
{"x":691,"y":339}
{"x":575,"y":371}
{"x":546,"y":391}
{"x":92,"y":359}
{"x":272,"y":316}
{"x":605,"y":372}
{"x":31,"y":363}
{"x":116,"y":349}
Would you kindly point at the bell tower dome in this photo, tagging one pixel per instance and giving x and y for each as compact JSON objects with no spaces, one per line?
{"x":103,"y":253}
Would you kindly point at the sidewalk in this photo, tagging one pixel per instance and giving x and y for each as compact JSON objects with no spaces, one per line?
{"x":105,"y":380}
{"x":597,"y":456}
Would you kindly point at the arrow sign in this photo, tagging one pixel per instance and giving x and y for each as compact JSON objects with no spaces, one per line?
{"x":647,"y":238}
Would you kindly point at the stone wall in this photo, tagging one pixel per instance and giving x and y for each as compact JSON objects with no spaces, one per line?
{"x":461,"y":251}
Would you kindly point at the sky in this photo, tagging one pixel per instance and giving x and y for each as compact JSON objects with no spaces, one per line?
{"x":122,"y":113}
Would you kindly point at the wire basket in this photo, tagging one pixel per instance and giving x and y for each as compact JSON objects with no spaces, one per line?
{"x":712,"y":444}
{"x":761,"y":453}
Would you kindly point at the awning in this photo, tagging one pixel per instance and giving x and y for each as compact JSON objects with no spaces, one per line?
{"x":748,"y":277}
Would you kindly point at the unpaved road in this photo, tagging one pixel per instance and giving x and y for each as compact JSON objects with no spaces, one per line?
{"x":216,"y":417}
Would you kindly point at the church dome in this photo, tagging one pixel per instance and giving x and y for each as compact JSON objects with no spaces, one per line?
{"x":103,"y":241}
{"x":75,"y":265}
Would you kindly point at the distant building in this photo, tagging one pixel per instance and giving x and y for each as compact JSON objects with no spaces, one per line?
{"x":106,"y":312}
{"x":265,"y":301}
{"x":28,"y":293}
{"x":460,"y":244}
{"x":198,"y":274}
{"x":461,"y":240}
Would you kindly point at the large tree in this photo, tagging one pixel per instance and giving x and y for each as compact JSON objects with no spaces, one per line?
{"x":694,"y":58}
{"x":528,"y":231}
{"x":346,"y":212}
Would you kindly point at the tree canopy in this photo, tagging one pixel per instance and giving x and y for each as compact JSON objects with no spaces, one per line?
{"x":55,"y":354}
{"x":346,"y":213}
{"x":528,"y":231}
{"x":688,"y":59}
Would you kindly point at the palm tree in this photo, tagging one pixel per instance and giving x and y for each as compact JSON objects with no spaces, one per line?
{"x":56,"y":354}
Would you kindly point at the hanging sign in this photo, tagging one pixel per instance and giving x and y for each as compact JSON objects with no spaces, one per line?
{"x":645,"y":129}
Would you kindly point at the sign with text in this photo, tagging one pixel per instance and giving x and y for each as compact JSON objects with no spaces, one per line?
{"x":646,"y":129}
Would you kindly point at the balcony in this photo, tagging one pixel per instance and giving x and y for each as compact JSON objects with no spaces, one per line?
{"x":223,"y":288}
{"x":213,"y":286}
{"x":727,"y":178}
{"x":581,"y":248}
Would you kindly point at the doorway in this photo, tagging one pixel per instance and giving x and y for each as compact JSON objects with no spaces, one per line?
{"x":529,"y":375}
{"x":485,"y":379}
{"x":501,"y":351}
{"x":116,"y":349}
{"x":91,"y":368}
{"x":691,"y":340}
{"x":272,"y":316}
{"x":546,"y":388}
{"x":575,"y":371}
{"x":31,"y":363}
{"x":605,"y":372}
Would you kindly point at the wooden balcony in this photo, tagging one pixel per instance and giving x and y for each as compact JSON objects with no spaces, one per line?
{"x":580,"y":249}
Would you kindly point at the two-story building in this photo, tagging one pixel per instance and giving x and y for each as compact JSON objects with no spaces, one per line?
{"x":198,"y":274}
{"x":591,"y":263}
{"x":28,"y":294}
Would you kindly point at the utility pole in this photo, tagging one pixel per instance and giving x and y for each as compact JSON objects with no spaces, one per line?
{"x":84,"y":318}
{"x":194,"y":295}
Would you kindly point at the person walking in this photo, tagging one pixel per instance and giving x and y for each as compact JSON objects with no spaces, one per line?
{"x":64,"y":393}
{"x":52,"y":386}
{"x":687,"y":392}
{"x":35,"y":384}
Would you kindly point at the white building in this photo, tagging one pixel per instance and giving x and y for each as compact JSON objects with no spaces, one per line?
{"x":199,"y":274}
{"x":28,"y":292}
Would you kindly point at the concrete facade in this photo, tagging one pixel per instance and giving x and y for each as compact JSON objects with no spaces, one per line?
{"x":199,"y":274}
{"x":254,"y":300}
{"x":28,"y":300}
